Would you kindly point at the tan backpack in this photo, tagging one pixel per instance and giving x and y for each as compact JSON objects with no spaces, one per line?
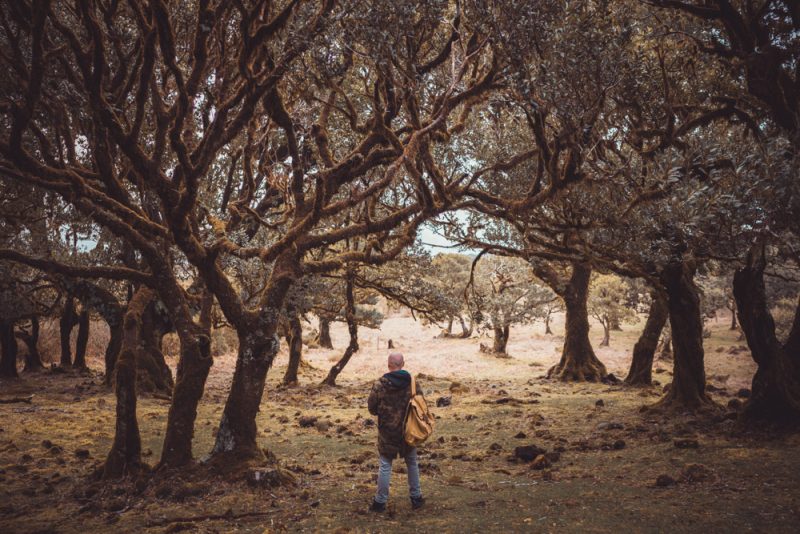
{"x":419,"y":420}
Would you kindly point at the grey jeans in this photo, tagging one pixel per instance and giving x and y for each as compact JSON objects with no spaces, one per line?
{"x":385,"y":473}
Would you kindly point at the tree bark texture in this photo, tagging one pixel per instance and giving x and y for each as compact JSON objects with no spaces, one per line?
{"x":66,"y":323}
{"x":33,"y":359}
{"x":775,"y":392}
{"x":8,"y":345}
{"x":352,"y":328}
{"x":500,"y":339}
{"x":295,"y":341}
{"x":193,"y":367}
{"x":578,"y":361}
{"x":641,"y":370}
{"x":82,"y":341}
{"x":125,"y":456}
{"x":687,"y":391}
{"x":324,"y":339}
{"x":258,"y":345}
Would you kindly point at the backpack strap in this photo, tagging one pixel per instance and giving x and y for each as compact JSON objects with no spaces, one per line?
{"x":413,"y":387}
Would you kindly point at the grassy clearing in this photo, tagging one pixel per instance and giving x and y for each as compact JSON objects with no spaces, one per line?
{"x":604,"y":480}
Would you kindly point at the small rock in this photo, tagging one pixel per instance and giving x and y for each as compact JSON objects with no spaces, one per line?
{"x":115,"y":505}
{"x":283,"y":419}
{"x":322,"y":426}
{"x":443,"y":401}
{"x":495,"y":447}
{"x":600,"y":403}
{"x":618,"y":445}
{"x":260,"y":477}
{"x":540,"y":462}
{"x":520,"y":435}
{"x":164,"y":491}
{"x":553,"y":456}
{"x":82,"y":453}
{"x":47,"y":444}
{"x":528,"y":453}
{"x":307,"y":421}
{"x":665,"y":480}
{"x":685,"y":443}
{"x":735,"y":404}
{"x":369,"y":423}
{"x":743,"y":393}
{"x":611,"y":379}
{"x":610,"y":426}
{"x":696,"y":473}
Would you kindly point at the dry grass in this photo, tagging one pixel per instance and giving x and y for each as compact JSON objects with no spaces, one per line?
{"x":469,"y":482}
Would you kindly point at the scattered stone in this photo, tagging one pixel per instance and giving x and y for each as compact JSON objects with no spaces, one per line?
{"x":696,"y":473}
{"x":520,"y":435}
{"x":495,"y":447}
{"x":322,"y":426}
{"x":610,"y":426}
{"x":261,"y":477}
{"x":164,"y":491}
{"x":115,"y":505}
{"x":685,"y":443}
{"x":743,"y":393}
{"x":528,"y":453}
{"x":369,"y":423}
{"x":283,"y":419}
{"x":600,"y":403}
{"x":540,"y":462}
{"x":735,"y":404}
{"x":441,"y":402}
{"x":187,"y":491}
{"x":664,"y":481}
{"x":82,"y":453}
{"x":553,"y":456}
{"x":611,"y":379}
{"x":618,"y":445}
{"x":47,"y":444}
{"x":457,"y":387}
{"x":55,"y":450}
{"x":26,"y":458}
{"x":307,"y":421}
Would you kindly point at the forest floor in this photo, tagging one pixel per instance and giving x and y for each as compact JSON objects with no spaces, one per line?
{"x":722,"y":477}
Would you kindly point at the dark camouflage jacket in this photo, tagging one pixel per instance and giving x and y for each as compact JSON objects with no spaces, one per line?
{"x":388,"y":400}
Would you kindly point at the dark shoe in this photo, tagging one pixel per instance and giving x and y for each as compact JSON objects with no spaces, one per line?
{"x":377,"y":506}
{"x":417,"y":502}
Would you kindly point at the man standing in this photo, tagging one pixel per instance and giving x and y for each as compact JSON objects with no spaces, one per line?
{"x":388,"y":400}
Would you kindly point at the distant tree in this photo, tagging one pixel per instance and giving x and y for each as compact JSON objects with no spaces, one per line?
{"x":608,"y":303}
{"x":506,"y":292}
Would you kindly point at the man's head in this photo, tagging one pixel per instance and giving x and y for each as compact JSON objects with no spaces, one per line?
{"x":395,"y":361}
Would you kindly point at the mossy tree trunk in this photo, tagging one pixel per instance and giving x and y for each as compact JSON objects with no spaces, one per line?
{"x":82,"y":340}
{"x":8,"y":346}
{"x":641,"y":370}
{"x":258,"y":345}
{"x":193,"y":368}
{"x":775,"y":393}
{"x":324,"y":339}
{"x":500,"y":341}
{"x":125,"y":456}
{"x":578,"y":361}
{"x":66,"y":322}
{"x":33,"y":359}
{"x":687,"y":391}
{"x":294,"y":338}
